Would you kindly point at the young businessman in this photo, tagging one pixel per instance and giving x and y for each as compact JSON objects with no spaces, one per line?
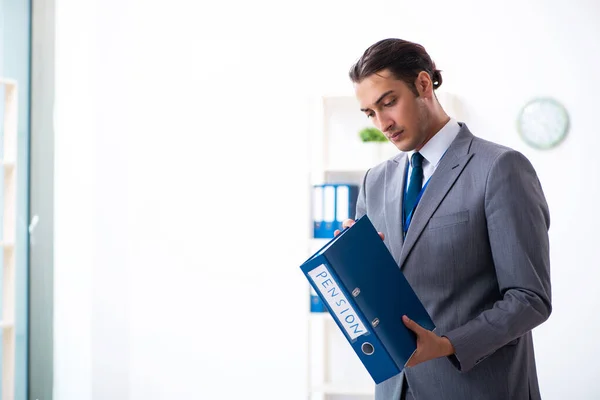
{"x":467,"y":222}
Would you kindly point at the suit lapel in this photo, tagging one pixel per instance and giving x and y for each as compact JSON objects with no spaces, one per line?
{"x":442,"y":180}
{"x":395,"y":174}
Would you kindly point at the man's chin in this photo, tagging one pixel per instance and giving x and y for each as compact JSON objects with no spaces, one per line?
{"x":403,"y":147}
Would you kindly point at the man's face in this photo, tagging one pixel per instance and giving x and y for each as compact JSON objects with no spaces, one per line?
{"x":394,"y":109}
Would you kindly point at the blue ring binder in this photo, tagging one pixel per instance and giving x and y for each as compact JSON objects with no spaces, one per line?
{"x":364,"y":290}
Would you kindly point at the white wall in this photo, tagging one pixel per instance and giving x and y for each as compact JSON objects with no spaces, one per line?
{"x":181,"y":177}
{"x":75,"y":236}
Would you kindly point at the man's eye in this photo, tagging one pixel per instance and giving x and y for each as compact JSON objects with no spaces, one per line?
{"x":389,"y":104}
{"x":370,"y":115}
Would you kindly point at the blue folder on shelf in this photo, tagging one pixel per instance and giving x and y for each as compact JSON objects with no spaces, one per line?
{"x":316,"y":304}
{"x":332,"y":204}
{"x":366,"y":293}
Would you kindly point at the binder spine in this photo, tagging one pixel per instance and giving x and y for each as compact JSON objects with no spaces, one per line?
{"x":346,"y":196}
{"x":342,"y":308}
{"x":352,"y":322}
{"x":316,"y":304}
{"x":329,"y":224}
{"x":317,"y":212}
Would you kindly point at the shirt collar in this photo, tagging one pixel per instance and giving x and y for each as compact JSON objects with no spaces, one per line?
{"x":435,"y":148}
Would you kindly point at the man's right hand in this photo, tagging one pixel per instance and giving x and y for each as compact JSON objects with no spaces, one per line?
{"x":347,"y":224}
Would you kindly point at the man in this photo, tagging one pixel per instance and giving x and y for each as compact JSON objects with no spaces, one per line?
{"x":467,"y":222}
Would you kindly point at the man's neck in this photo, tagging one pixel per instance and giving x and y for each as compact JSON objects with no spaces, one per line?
{"x":436,"y":127}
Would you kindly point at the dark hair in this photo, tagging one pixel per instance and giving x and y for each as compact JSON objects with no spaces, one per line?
{"x":403,"y":58}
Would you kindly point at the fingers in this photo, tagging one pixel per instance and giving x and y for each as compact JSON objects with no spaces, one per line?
{"x":412,"y":325}
{"x":347,"y":223}
{"x":416,"y":328}
{"x":414,"y":358}
{"x":412,"y":361}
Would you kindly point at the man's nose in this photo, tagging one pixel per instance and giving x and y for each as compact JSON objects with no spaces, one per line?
{"x":384,"y":124}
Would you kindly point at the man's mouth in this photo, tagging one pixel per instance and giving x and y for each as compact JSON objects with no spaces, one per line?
{"x":395,"y":135}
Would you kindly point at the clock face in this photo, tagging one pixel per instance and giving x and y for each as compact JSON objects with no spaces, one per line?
{"x":543,"y":123}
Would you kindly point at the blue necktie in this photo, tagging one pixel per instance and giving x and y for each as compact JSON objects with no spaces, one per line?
{"x":414,"y":187}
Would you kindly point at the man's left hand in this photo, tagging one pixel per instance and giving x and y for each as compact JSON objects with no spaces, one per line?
{"x":429,"y":345}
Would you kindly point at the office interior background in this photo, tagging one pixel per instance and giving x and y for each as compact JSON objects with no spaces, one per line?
{"x":163,"y":202}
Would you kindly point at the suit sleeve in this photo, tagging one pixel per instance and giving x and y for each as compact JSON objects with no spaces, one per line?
{"x":361,"y":202}
{"x":517,"y":223}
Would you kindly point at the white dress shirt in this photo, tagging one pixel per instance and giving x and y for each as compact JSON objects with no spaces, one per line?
{"x":434,"y":149}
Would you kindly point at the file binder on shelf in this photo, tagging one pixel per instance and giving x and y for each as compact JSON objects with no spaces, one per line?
{"x":345,"y":203}
{"x":316,"y":304}
{"x":318,"y":209}
{"x":364,"y":290}
{"x":332,"y":204}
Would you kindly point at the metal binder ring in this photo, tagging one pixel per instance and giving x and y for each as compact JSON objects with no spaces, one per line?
{"x":367,"y":348}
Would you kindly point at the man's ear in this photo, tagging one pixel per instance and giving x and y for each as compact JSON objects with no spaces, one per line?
{"x":424,"y":85}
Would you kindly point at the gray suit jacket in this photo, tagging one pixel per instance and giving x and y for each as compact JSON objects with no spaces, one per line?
{"x":477,"y":255}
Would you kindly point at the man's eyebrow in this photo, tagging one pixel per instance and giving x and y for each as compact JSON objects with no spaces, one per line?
{"x":378,"y":100}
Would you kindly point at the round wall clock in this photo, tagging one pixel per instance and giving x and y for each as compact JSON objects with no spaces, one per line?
{"x":543,"y":123}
